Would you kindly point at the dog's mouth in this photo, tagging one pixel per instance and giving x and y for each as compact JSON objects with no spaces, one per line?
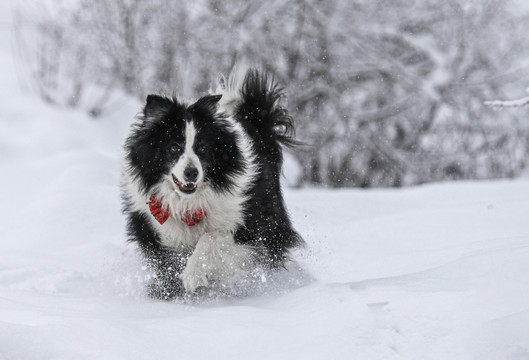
{"x":188,"y":188}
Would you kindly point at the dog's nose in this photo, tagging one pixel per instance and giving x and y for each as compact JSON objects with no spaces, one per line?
{"x":191,"y":174}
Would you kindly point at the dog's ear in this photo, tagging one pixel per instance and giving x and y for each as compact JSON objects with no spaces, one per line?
{"x":157,"y":105}
{"x":209,"y":102}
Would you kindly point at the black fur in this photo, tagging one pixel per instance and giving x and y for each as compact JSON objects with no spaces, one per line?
{"x":267,"y":221}
{"x":150,"y":155}
{"x":164,"y":262}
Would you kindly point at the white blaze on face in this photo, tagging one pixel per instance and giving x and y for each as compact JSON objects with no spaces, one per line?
{"x":188,"y":158}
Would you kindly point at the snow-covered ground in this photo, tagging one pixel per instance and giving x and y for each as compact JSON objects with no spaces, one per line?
{"x":433,"y":272}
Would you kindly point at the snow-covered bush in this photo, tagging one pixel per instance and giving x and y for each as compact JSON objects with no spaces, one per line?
{"x":385,"y":93}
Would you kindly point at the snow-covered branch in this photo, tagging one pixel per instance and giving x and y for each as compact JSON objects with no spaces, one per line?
{"x":508,"y":103}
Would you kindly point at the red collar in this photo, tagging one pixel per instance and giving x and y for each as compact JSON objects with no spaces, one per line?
{"x":161,"y":214}
{"x":193,"y":218}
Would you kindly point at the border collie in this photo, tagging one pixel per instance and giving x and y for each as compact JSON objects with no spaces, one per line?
{"x":201,"y":186}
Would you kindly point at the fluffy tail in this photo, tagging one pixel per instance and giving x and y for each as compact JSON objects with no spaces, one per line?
{"x":253,"y":99}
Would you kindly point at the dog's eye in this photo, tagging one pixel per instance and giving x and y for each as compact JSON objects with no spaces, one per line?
{"x":175,"y":149}
{"x":201,"y":150}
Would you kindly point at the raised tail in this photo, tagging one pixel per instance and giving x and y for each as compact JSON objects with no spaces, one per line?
{"x":253,"y":97}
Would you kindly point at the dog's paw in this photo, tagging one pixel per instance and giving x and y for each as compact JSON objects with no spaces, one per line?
{"x":195,"y":274}
{"x":216,"y":259}
{"x":165,"y":289}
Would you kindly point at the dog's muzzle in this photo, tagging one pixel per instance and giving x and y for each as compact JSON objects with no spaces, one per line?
{"x":188,"y":188}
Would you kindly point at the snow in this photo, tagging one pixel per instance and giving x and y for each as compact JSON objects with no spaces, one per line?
{"x":432,"y":272}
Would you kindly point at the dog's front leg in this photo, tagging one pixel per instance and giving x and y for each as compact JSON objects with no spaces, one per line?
{"x":216,"y":258}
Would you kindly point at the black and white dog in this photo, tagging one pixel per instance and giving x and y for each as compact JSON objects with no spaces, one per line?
{"x":202,"y":185}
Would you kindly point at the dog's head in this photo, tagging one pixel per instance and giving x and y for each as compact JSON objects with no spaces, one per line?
{"x":184,"y":148}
